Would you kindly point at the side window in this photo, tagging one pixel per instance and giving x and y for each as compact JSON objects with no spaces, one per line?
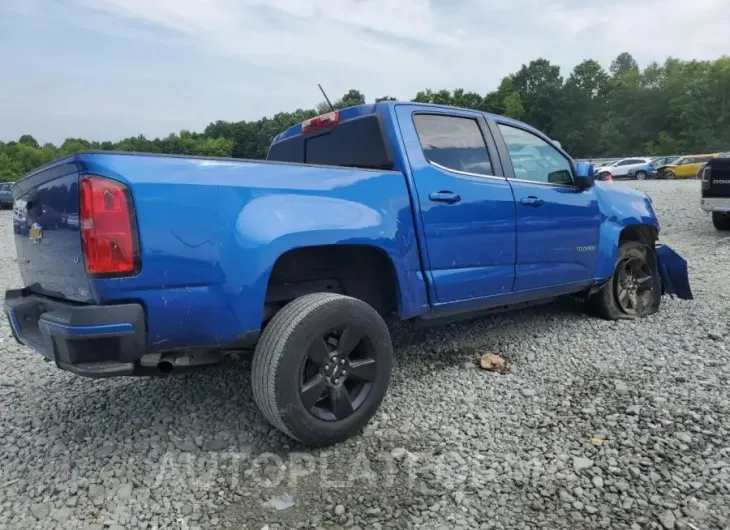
{"x":453,"y":143}
{"x":535,"y":159}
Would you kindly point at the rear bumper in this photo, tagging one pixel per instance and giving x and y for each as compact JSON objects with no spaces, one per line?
{"x":715,"y":204}
{"x":88,"y":340}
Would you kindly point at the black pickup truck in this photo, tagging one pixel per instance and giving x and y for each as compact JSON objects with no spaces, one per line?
{"x":715,"y":177}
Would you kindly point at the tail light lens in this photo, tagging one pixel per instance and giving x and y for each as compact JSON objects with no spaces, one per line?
{"x":705,"y":175}
{"x":108,"y":233}
{"x":321,"y":122}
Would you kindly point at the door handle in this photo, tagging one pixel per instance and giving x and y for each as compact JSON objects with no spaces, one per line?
{"x":448,"y":197}
{"x":531,"y":201}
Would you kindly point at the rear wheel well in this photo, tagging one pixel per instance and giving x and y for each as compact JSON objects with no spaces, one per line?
{"x":361,"y":271}
{"x":645,"y":234}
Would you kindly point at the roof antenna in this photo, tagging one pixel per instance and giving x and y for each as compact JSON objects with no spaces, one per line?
{"x":325,"y":97}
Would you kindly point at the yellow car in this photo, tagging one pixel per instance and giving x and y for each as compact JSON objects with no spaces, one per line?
{"x":685,"y":167}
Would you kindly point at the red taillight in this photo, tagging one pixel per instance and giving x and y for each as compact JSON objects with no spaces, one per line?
{"x":107,"y":234}
{"x":320,"y":122}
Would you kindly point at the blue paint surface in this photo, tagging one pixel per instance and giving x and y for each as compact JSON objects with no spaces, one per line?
{"x":211,"y":230}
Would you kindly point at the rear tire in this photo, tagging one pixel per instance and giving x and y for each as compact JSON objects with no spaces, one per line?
{"x":721,"y":220}
{"x":635,"y":279}
{"x":322,"y":368}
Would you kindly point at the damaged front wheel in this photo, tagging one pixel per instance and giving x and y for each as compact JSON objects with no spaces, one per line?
{"x":634,"y":290}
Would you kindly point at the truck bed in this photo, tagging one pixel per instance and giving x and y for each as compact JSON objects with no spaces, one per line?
{"x":209,"y":232}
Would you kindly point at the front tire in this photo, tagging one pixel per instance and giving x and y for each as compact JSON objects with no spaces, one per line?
{"x":641,"y":175}
{"x":670,"y":175}
{"x":634,"y":290}
{"x":721,"y":220}
{"x":322,"y":368}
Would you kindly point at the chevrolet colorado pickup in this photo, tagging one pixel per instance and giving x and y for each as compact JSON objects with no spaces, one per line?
{"x":715,"y":177}
{"x":374,"y":212}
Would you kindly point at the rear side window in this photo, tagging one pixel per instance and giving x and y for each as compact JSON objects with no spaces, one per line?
{"x":453,"y":143}
{"x":359,"y":142}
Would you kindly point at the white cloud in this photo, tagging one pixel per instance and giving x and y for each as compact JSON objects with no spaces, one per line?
{"x":402,"y":45}
{"x":280,"y":49}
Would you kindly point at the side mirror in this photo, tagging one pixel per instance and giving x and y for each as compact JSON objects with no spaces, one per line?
{"x":585,"y":175}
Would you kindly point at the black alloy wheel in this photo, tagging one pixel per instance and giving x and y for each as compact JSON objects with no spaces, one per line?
{"x":337,"y":373}
{"x":322,"y":367}
{"x":633,"y":286}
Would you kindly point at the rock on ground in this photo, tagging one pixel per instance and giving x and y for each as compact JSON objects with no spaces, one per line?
{"x":452,"y":447}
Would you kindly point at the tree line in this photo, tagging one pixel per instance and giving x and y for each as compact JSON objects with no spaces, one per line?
{"x":671,"y":108}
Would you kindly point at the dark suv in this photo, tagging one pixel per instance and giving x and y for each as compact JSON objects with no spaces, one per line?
{"x":6,"y":196}
{"x":715,"y":177}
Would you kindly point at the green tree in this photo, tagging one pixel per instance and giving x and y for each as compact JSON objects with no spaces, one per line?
{"x":28,"y":140}
{"x":624,"y":64}
{"x":10,"y":169}
{"x":539,"y":85}
{"x":579,"y":121}
{"x":513,"y":106}
{"x":670,"y":108}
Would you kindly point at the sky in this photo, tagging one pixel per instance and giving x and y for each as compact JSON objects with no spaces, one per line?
{"x":109,"y":69}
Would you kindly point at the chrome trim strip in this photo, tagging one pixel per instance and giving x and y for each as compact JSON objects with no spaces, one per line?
{"x":567,"y":186}
{"x":444,"y":168}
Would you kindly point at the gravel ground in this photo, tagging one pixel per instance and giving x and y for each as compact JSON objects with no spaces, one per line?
{"x":594,"y":425}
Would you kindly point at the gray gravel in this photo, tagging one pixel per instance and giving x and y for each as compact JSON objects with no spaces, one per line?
{"x":593,"y":425}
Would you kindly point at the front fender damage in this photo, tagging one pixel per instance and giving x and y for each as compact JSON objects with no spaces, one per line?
{"x":673,"y":273}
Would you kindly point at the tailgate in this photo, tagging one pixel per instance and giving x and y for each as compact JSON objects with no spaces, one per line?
{"x":718,"y":179}
{"x":47,"y":233}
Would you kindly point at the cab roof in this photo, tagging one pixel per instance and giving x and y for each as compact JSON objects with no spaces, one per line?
{"x":371,"y":108}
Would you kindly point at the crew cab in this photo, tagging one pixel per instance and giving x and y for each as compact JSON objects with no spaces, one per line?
{"x":715,"y":177}
{"x":359,"y":216}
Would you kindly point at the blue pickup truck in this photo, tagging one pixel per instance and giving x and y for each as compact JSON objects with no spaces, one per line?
{"x":358,"y":216}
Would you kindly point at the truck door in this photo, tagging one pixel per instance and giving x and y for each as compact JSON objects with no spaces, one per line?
{"x":557,"y":224}
{"x":466,"y":205}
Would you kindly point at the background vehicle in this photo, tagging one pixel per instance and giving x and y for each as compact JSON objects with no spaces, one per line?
{"x":715,"y":177}
{"x":392,"y":210}
{"x":6,"y":195}
{"x":649,"y":170}
{"x":621,"y":168}
{"x":684,"y":167}
{"x":664,"y":160}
